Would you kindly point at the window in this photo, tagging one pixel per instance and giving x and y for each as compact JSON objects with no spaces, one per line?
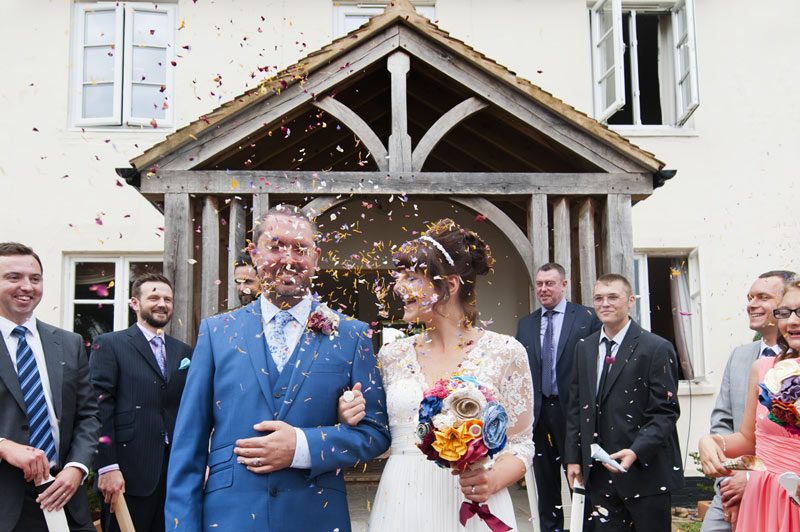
{"x":97,"y":292}
{"x":668,"y":303}
{"x":122,"y":64}
{"x":349,"y":16}
{"x":644,"y":62}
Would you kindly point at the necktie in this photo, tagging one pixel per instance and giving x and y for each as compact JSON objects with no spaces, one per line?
{"x":768,"y":352}
{"x":548,"y":355}
{"x":276,"y":338}
{"x":606,"y":364}
{"x":30,"y":383}
{"x":157,"y":345}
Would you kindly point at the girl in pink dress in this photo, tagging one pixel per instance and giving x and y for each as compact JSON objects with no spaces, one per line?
{"x":766,"y":506}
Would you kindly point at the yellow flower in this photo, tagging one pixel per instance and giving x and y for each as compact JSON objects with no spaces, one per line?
{"x":451,"y":444}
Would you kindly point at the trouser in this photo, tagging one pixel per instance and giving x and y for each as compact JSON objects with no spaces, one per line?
{"x":32,"y":517}
{"x":714,"y":520}
{"x":147,"y":513}
{"x":652,"y":513}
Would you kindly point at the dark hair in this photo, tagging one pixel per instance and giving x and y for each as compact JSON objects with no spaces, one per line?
{"x":469,"y":253}
{"x":148,"y":278}
{"x":15,"y":248}
{"x":284,"y":209}
{"x":792,"y":283}
{"x":553,"y":266}
{"x":783,"y":274}
{"x":609,"y":278}
{"x":242,"y":260}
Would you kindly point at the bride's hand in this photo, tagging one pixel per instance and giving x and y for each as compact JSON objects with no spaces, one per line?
{"x":476,"y":484}
{"x":353,"y":411}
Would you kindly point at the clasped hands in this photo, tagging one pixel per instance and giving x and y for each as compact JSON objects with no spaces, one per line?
{"x":268,"y":453}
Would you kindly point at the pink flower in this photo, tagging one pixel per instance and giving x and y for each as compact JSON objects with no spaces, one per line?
{"x":476,"y":450}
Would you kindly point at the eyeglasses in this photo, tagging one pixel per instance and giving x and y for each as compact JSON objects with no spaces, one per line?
{"x":613,"y":299}
{"x":783,"y":312}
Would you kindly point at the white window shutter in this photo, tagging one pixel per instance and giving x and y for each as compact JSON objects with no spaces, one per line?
{"x":687,"y":94}
{"x":698,"y":358}
{"x":641,"y":289}
{"x":607,"y":58}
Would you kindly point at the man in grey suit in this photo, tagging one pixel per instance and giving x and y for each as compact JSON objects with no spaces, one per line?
{"x":762,"y":299}
{"x":49,"y":423}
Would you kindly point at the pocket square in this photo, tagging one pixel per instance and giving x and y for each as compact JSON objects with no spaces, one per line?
{"x":185,"y":363}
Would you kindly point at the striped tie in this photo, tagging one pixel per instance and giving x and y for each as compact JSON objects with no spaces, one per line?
{"x":31,"y":385}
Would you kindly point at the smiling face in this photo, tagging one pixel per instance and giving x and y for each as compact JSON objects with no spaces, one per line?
{"x":153,"y":305}
{"x":20,"y":287}
{"x":246,"y":283}
{"x":286,"y":259}
{"x":790,"y":327}
{"x":418,"y":294}
{"x":762,"y":299}
{"x":612,"y":302}
{"x":550,"y":288}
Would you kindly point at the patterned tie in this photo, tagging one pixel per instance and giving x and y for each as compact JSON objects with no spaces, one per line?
{"x":30,"y":383}
{"x":276,"y":338}
{"x":768,"y":352}
{"x":547,"y":355}
{"x":157,"y":345}
{"x":606,"y":365}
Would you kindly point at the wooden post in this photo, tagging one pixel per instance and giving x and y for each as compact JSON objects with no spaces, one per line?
{"x":260,"y":208}
{"x":618,"y":235}
{"x":588,"y":261}
{"x":236,"y":243}
{"x":561,"y":240}
{"x":178,"y":251}
{"x":537,"y":232}
{"x":209,"y":274}
{"x":398,"y":65}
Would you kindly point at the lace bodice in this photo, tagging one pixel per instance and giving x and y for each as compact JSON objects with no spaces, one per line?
{"x":497,"y":361}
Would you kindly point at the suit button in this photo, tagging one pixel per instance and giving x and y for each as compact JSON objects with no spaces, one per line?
{"x":273,"y":492}
{"x":163,"y":386}
{"x":277,"y":395}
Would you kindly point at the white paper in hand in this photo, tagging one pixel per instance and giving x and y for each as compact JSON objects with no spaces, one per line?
{"x":600,"y":454}
{"x":578,"y":501}
{"x":57,"y":519}
{"x":789,"y":482}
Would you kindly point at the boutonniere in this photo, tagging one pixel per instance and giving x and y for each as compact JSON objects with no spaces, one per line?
{"x":610,"y":360}
{"x":185,"y":363}
{"x":323,"y":320}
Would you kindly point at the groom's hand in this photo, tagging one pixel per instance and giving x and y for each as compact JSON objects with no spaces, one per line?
{"x":273,"y":452}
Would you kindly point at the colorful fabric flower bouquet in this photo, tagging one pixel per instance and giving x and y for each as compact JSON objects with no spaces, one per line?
{"x":780,"y":393}
{"x":462,"y":425}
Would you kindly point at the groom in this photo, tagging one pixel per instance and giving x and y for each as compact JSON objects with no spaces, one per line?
{"x":264,"y":385}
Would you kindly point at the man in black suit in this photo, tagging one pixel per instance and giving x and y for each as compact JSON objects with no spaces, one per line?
{"x":138,"y":375}
{"x":49,"y":419}
{"x":550,"y":342}
{"x":624,"y":397}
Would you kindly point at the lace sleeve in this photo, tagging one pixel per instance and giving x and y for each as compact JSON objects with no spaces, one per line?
{"x":392,"y":360}
{"x":516,"y":388}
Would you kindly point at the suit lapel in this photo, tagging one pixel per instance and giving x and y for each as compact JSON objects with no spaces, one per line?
{"x":537,"y":338}
{"x":306,"y":354}
{"x":566,"y":329}
{"x":141,"y":345}
{"x":54,"y":359}
{"x":257,"y":350}
{"x":9,"y":376}
{"x":624,"y":354}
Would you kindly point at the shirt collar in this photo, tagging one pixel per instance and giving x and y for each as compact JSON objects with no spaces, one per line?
{"x":7,"y":326}
{"x":620,"y":336}
{"x":560,"y":308}
{"x":148,"y":334}
{"x":775,"y":348}
{"x":299,"y":312}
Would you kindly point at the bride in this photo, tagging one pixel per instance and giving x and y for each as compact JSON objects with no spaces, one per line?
{"x":435,"y":277}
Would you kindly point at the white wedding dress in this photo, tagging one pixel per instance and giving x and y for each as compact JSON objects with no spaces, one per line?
{"x":416,"y":494}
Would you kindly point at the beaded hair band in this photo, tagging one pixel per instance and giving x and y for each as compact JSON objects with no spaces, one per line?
{"x":440,"y":247}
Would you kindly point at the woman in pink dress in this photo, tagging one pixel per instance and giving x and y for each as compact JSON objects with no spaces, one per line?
{"x":766,"y":506}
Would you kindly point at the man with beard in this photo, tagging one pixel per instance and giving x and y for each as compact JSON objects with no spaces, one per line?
{"x":244,"y":275}
{"x":138,"y":376}
{"x":265,"y":380}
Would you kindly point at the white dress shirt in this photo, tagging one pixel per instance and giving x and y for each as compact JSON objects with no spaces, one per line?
{"x":775,"y":348}
{"x":601,"y":349}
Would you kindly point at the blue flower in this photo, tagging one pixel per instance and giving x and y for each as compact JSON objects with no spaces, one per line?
{"x":495,"y":422}
{"x":429,"y":407}
{"x":764,"y":397}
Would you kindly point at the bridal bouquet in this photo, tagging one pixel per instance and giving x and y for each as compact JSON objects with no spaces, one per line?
{"x":462,"y":425}
{"x":780,"y":393}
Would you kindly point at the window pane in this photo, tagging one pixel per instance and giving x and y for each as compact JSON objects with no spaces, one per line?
{"x":608,"y":89}
{"x":681,"y":20}
{"x":98,"y":100}
{"x":352,"y":22}
{"x":98,"y":64}
{"x":147,"y":101}
{"x":606,"y":54}
{"x":150,"y":28}
{"x":94,"y":280}
{"x":686,"y":92}
{"x":605,"y":19}
{"x":99,"y":27}
{"x":93,"y":319}
{"x":149,"y":65}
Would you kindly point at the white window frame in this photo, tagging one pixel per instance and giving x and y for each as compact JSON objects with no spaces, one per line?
{"x":123,"y":70}
{"x":122,"y":280}
{"x":344,"y":9}
{"x":677,"y":110}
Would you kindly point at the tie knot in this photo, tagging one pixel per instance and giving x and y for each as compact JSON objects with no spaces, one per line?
{"x":768,"y":352}
{"x":157,"y":341}
{"x":609,"y":343}
{"x":19,"y":331}
{"x":550,"y":313}
{"x":282,"y":318}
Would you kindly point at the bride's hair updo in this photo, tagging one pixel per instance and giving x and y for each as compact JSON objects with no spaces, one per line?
{"x":447,"y":249}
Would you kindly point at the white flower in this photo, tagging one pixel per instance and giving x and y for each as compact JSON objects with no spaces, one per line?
{"x":465,"y":403}
{"x":780,"y":372}
{"x":444,"y":421}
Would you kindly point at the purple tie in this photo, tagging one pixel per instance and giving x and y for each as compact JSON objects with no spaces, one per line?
{"x":548,"y":355}
{"x":157,"y":344}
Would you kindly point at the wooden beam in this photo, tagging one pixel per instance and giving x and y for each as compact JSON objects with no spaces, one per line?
{"x":588,"y":261}
{"x":383,"y":183}
{"x":562,"y":239}
{"x":361,"y":129}
{"x":537,"y":234}
{"x":178,"y":251}
{"x":398,"y":65}
{"x":618,"y":236}
{"x":441,"y":127}
{"x":209,"y":273}
{"x":236,"y":243}
{"x":260,"y":208}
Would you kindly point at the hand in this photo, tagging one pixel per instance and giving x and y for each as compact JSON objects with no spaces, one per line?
{"x":354,"y":411}
{"x":32,"y":461}
{"x":712,"y":457}
{"x":625,"y":457}
{"x":111,"y":484}
{"x":574,"y":472}
{"x":732,"y":516}
{"x":797,"y":491}
{"x":61,"y":490}
{"x":732,"y":488}
{"x":476,"y":484}
{"x":273,"y":452}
